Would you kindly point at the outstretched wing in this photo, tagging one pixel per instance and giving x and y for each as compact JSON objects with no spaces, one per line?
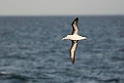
{"x":73,"y":50}
{"x":75,"y":26}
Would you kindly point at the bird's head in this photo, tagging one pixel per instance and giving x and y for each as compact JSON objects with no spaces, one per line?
{"x":64,"y":38}
{"x":67,"y":37}
{"x":84,"y":38}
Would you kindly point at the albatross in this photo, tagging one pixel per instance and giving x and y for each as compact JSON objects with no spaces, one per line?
{"x":74,"y":37}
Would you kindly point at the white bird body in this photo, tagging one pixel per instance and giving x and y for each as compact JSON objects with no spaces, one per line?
{"x":74,"y":38}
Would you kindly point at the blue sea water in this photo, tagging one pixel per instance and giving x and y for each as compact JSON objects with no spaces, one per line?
{"x":31,"y":50}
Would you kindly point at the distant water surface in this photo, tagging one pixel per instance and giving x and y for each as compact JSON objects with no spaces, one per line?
{"x":31,"y":50}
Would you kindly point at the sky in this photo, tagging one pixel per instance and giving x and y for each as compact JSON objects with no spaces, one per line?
{"x":61,"y":7}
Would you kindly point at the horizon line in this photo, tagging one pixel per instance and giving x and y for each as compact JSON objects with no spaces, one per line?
{"x":71,"y":15}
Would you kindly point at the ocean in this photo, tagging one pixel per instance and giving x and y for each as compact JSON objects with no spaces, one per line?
{"x":32,"y":50}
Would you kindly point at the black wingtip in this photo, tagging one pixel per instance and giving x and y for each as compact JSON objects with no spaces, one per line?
{"x":72,"y":61}
{"x":76,"y":18}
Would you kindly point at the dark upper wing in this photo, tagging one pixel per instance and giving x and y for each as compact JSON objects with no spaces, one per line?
{"x":73,"y":50}
{"x":75,"y":26}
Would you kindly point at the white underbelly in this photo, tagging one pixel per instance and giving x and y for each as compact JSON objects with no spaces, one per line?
{"x":75,"y":37}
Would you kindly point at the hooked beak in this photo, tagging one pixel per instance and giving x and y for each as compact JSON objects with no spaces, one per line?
{"x":85,"y":39}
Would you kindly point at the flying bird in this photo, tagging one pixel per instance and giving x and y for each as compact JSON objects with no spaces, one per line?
{"x":74,"y":37}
